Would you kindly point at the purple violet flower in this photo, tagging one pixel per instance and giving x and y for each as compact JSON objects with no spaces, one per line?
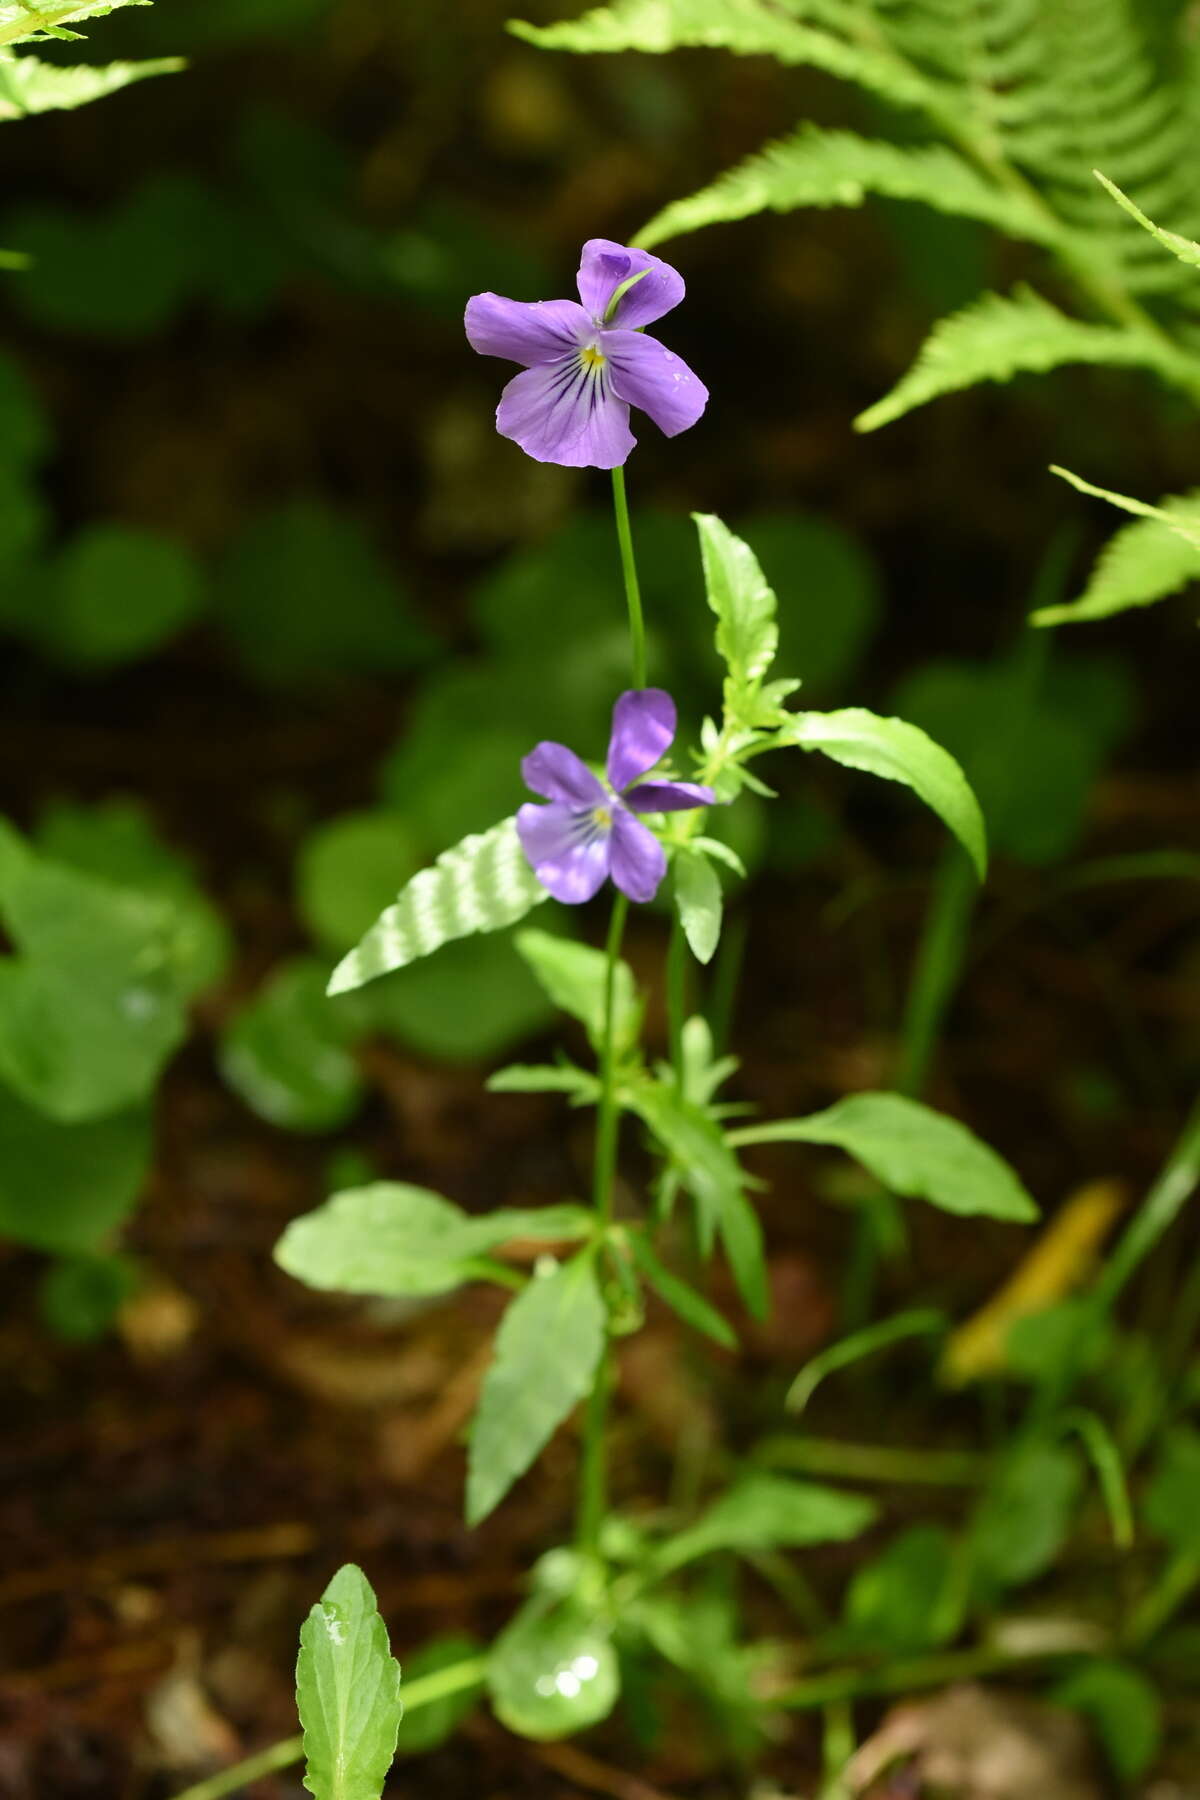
{"x":585,"y":369}
{"x":588,"y":831}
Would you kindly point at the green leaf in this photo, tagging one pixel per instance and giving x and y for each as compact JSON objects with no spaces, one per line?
{"x":347,"y":1692}
{"x":803,"y":555}
{"x":813,"y":167}
{"x":706,"y":1165}
{"x":745,"y":606}
{"x":691,"y":1307}
{"x":1123,"y":1708}
{"x":1141,"y":563}
{"x":117,"y":841}
{"x":28,"y":85}
{"x":553,"y":1672}
{"x":904,"y":1599}
{"x":65,"y":1188}
{"x":480,"y":885}
{"x":349,"y":870}
{"x":1025,"y":1515}
{"x":897,"y":751}
{"x":913,"y":1151}
{"x":575,"y":977}
{"x":393,"y":1239}
{"x":29,"y":19}
{"x":769,"y":1512}
{"x":116,"y":594}
{"x":547,"y":1352}
{"x":746,"y":27}
{"x":699,"y":901}
{"x":80,"y":1297}
{"x":425,"y":1727}
{"x":287,"y":1053}
{"x":1184,"y":248}
{"x":1000,"y":336}
{"x":546,"y":1078}
{"x":92,"y":1003}
{"x":1170,"y":1507}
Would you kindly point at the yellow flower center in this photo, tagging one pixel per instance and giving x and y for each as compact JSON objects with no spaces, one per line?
{"x":602,"y":815}
{"x":591,"y":358}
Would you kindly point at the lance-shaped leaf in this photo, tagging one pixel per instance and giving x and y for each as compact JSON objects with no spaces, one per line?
{"x":999,"y":336}
{"x":838,"y":168}
{"x":691,"y":1307}
{"x":28,"y":85}
{"x":481,"y":884}
{"x":742,"y":599}
{"x":547,"y":1352}
{"x":25,"y":20}
{"x":913,"y":1151}
{"x":769,"y":1512}
{"x":576,"y":978}
{"x":699,"y":901}
{"x":394,"y":1239}
{"x":898,"y":752}
{"x":347,"y":1692}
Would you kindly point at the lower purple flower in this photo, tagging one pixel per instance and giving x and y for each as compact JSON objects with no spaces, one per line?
{"x":588,"y":831}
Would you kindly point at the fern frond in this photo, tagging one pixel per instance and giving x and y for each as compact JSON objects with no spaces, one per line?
{"x":28,"y":85}
{"x":23,"y":21}
{"x":999,"y":336}
{"x":747,"y":28}
{"x":838,"y":168}
{"x":1186,"y":249}
{"x":1141,"y":563}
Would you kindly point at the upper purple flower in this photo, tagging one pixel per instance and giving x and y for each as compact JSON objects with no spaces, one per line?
{"x":588,"y":830}
{"x":584,"y":369}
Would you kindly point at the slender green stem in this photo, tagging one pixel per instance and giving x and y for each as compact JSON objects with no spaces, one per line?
{"x":1165,"y":1598}
{"x":593,"y":1472}
{"x":633,"y":594}
{"x":1157,"y":1213}
{"x":676,"y":996}
{"x":903,"y":1675}
{"x":887,"y":1463}
{"x":939,"y":964}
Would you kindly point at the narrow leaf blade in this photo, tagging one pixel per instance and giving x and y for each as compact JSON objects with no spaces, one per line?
{"x":347,"y":1692}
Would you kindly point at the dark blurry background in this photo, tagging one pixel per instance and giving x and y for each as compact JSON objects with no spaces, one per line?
{"x":264,"y":563}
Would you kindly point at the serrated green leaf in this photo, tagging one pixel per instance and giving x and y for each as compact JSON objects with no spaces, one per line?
{"x":1141,"y":563}
{"x":813,"y":167}
{"x":745,"y":608}
{"x":547,"y":1352}
{"x":393,"y":1239}
{"x":699,"y":901}
{"x":347,"y":1692}
{"x":769,"y":1512}
{"x":25,"y":20}
{"x":28,"y":85}
{"x":65,"y":1188}
{"x":999,"y":336}
{"x":691,"y":1307}
{"x":896,"y":751}
{"x":1184,"y":248}
{"x":287,"y":1053}
{"x":553,"y":1672}
{"x":913,"y":1150}
{"x":576,"y":977}
{"x":707,"y":1167}
{"x":480,"y":885}
{"x":746,"y":27}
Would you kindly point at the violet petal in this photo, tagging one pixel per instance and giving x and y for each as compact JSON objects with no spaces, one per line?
{"x":643,"y":728}
{"x":569,"y":857}
{"x":565,"y":412}
{"x":557,"y":773}
{"x":605,"y":265}
{"x":637,"y":859}
{"x":651,"y":377}
{"x":528,"y":332}
{"x":669,"y":796}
